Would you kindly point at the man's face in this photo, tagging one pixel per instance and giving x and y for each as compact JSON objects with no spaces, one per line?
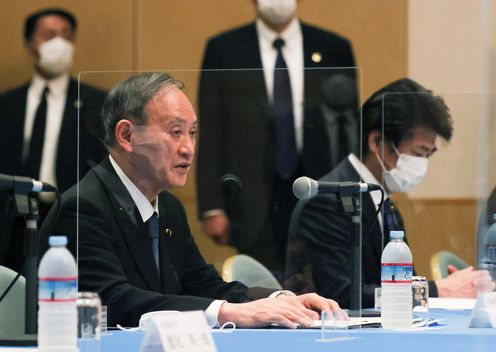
{"x":49,"y":27}
{"x":163,"y":149}
{"x":422,"y":143}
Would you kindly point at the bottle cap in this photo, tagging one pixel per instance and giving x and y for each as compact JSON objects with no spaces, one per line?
{"x":396,"y":234}
{"x":57,"y":241}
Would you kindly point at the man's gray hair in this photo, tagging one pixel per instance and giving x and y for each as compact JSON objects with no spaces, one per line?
{"x":127,"y":100}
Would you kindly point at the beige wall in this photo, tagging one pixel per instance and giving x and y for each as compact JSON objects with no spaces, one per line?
{"x":170,"y":35}
{"x":451,"y":45}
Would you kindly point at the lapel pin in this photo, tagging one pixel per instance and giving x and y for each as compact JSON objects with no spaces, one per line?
{"x":168,"y":232}
{"x":316,"y":57}
{"x":78,"y":104}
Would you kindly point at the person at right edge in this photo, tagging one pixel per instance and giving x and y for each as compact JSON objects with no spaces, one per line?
{"x":397,"y":145}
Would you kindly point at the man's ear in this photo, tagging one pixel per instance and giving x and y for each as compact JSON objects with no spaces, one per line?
{"x":123,"y":132}
{"x":375,"y":141}
{"x":31,"y":49}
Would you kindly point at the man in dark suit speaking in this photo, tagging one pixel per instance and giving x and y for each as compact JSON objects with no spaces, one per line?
{"x":401,"y":123}
{"x":40,"y":125}
{"x":135,"y":246}
{"x":261,"y":82}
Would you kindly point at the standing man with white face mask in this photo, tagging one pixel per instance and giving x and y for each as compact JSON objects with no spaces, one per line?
{"x":39,"y":120}
{"x":401,"y":123}
{"x":255,"y":124}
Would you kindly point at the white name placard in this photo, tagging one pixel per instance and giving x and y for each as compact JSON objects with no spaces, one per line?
{"x":179,"y":332}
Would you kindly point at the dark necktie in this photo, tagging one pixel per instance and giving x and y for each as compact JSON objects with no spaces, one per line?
{"x":33,"y":161}
{"x":392,"y":219}
{"x":286,"y":155}
{"x":153,"y":231}
{"x":342,"y":140}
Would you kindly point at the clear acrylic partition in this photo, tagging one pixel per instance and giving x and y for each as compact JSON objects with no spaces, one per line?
{"x":447,"y":216}
{"x":237,"y":137}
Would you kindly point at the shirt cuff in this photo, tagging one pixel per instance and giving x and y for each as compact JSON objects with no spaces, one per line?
{"x":281,"y":292}
{"x":212,"y":212}
{"x":212,"y":313}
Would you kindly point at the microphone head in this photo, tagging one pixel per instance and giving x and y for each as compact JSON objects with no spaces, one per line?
{"x":305,"y":188}
{"x":231,"y":184}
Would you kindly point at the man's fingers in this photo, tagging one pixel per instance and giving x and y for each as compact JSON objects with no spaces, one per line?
{"x":282,"y":320}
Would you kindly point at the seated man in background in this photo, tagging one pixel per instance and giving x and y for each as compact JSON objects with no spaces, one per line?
{"x":398,"y":139}
{"x":135,"y":246}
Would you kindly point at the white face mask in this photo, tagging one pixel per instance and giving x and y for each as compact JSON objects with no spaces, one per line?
{"x":56,"y":56}
{"x":409,"y":172}
{"x":277,"y":11}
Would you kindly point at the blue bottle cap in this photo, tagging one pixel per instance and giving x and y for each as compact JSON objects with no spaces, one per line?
{"x":396,"y":234}
{"x":57,"y":241}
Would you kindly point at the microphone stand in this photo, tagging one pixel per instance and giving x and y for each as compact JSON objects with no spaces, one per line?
{"x":350,"y":203}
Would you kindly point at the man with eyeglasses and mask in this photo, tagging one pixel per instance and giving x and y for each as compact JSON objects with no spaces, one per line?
{"x":401,"y":123}
{"x":43,"y":121}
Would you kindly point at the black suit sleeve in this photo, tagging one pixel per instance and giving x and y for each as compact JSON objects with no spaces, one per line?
{"x":320,"y":239}
{"x":202,"y":279}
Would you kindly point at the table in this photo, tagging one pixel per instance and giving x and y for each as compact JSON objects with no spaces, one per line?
{"x":453,"y":336}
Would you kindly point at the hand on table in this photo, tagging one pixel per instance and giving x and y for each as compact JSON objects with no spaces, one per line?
{"x":465,"y":283}
{"x":288,"y":311}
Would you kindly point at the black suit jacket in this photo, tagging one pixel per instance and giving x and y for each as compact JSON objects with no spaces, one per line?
{"x":319,"y":241}
{"x":12,"y":116}
{"x":236,"y":129}
{"x":116,"y":259}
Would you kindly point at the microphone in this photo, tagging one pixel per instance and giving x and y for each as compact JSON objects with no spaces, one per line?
{"x":24,"y":185}
{"x":231,"y":188}
{"x":231,"y":185}
{"x":306,"y":188}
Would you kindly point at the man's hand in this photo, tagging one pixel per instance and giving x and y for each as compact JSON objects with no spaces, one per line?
{"x":217,"y":227}
{"x":315,"y":303}
{"x":284,"y":310}
{"x":464,"y":283}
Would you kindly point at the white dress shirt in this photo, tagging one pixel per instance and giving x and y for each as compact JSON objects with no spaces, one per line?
{"x":56,"y":99}
{"x":293,"y":56}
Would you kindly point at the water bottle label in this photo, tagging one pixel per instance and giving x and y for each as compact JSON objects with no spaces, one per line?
{"x":57,"y":289}
{"x":396,"y":273}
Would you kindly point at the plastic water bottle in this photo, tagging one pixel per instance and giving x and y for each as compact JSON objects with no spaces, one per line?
{"x":57,"y":295}
{"x":396,"y":282}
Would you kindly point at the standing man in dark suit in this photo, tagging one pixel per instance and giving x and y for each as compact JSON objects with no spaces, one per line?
{"x":40,"y":125}
{"x":135,"y":245}
{"x":254,"y":124}
{"x":401,"y":123}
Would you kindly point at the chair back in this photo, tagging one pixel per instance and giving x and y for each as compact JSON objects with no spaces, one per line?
{"x":248,"y":271}
{"x":440,"y":262}
{"x":12,"y":306}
